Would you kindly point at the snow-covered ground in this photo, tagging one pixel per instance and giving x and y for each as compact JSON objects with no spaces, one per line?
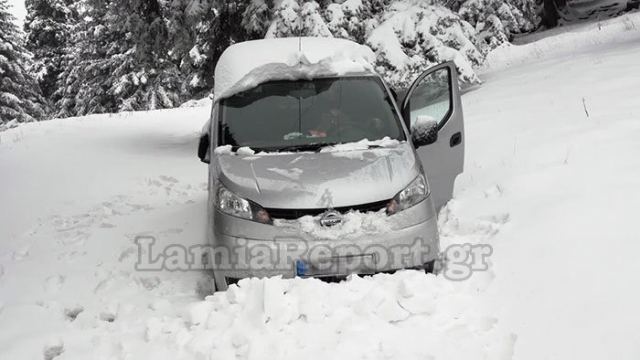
{"x":554,"y":147}
{"x":550,"y":182}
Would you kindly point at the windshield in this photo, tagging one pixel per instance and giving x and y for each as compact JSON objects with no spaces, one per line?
{"x":309,"y":114}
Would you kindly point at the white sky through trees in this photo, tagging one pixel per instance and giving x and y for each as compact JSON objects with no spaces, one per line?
{"x":18,"y":10}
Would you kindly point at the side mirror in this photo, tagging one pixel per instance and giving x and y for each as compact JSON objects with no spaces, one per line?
{"x":424,"y":131}
{"x":203,"y":148}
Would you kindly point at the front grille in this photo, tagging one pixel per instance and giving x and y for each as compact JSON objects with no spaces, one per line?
{"x":292,"y":214}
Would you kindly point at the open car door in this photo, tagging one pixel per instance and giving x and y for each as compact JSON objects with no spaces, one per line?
{"x":435,"y":97}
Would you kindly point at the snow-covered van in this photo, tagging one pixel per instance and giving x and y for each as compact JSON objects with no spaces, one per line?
{"x":318,"y":169}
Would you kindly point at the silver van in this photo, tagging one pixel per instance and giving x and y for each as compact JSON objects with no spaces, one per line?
{"x":330,"y":175}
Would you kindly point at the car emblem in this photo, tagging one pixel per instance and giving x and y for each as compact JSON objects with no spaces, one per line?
{"x":331,"y":218}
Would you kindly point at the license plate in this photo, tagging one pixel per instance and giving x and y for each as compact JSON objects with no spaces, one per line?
{"x":337,"y":265}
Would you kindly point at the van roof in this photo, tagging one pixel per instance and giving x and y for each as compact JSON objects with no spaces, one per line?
{"x":247,"y":64}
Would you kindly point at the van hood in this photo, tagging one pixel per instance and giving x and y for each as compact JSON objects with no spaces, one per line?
{"x":307,"y":180}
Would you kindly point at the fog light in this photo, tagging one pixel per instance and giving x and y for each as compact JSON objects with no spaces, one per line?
{"x":392,"y":207}
{"x":263,"y":216}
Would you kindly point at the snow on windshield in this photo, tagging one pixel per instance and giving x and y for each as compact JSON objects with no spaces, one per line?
{"x":307,"y":115}
{"x":356,"y":146}
{"x":248,"y":64}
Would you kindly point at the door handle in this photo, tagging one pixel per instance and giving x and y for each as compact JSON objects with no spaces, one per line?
{"x":456,"y":139}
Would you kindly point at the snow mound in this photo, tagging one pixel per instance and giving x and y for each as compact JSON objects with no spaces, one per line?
{"x":248,"y":64}
{"x":407,"y":315}
{"x":204,"y":102}
{"x":567,"y":40}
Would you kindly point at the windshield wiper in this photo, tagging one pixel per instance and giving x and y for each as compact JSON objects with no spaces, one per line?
{"x":305,"y":147}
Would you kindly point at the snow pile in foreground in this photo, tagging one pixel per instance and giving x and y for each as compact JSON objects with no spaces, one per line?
{"x":244,"y":65}
{"x":408,"y":315}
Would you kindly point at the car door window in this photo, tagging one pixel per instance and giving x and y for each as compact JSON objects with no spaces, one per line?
{"x":432,"y":97}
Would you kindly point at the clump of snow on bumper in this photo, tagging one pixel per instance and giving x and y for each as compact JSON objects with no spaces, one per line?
{"x":354,"y":224}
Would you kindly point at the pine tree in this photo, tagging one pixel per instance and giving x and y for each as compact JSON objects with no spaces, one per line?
{"x":285,"y":20}
{"x":186,"y":19}
{"x":313,"y":23}
{"x":20,"y":97}
{"x":220,"y":27}
{"x":257,"y":18}
{"x":120,"y":61}
{"x":414,"y":35}
{"x":47,"y":26}
{"x":290,"y":18}
{"x":496,"y":21}
{"x":354,"y":19}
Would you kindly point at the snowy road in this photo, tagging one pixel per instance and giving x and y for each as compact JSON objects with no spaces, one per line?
{"x":551,"y":182}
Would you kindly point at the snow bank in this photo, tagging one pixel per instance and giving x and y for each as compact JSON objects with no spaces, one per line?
{"x":9,"y":125}
{"x":245,"y":65}
{"x":553,"y":166}
{"x":204,"y":102}
{"x":566,"y":40}
{"x":408,"y":315}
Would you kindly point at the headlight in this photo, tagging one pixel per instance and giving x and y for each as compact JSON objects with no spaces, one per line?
{"x":417,"y":191}
{"x":232,"y":204}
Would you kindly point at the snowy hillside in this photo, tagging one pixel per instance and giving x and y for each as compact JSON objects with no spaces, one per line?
{"x":550,"y":183}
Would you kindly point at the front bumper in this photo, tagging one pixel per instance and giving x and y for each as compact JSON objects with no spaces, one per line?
{"x":242,"y":248}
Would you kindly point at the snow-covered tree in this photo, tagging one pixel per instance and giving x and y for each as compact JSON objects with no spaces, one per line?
{"x":257,"y":18}
{"x":285,"y":20}
{"x":407,"y":35}
{"x":20,"y":97}
{"x":354,"y":19}
{"x":297,"y":18}
{"x":145,"y":54}
{"x":312,"y":22}
{"x":415,"y":34}
{"x":219,"y":28}
{"x":47,"y":26}
{"x":120,"y":61}
{"x":186,"y":20}
{"x":496,"y":21}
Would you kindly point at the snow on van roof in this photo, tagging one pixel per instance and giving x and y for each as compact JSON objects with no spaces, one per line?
{"x":247,"y":64}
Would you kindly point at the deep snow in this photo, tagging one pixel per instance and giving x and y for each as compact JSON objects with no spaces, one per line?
{"x":553,"y":139}
{"x":550,"y":182}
